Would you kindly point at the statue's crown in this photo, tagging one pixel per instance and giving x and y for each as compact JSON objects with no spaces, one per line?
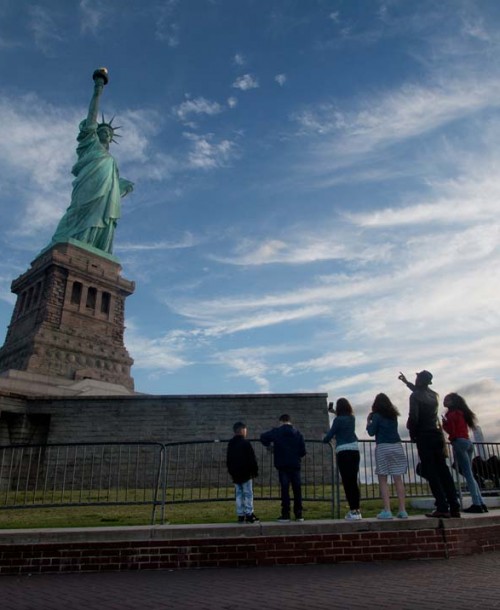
{"x":109,"y":126}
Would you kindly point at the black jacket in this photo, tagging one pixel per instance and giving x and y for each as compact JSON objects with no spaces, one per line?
{"x":240,"y":459}
{"x":289,"y":446}
{"x":423,"y":418}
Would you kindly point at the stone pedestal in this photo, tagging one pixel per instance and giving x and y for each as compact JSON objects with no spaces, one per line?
{"x":68,"y":320}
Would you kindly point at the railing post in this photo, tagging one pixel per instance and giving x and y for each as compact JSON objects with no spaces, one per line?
{"x":163,"y":475}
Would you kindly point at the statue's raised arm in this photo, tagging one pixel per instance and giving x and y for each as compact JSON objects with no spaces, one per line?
{"x":97,"y":188}
{"x":100,"y":78}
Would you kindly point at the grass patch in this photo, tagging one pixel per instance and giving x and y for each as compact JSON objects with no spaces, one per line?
{"x":176,"y":514}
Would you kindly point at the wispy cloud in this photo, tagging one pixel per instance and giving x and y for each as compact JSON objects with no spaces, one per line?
{"x":188,"y":241}
{"x":280,"y":79}
{"x":197,"y":106}
{"x":246,"y":82}
{"x":167,"y":27}
{"x":165,"y":353}
{"x":393,"y":118}
{"x":246,"y":363}
{"x":6,"y":276}
{"x":93,"y":13}
{"x":327,"y":362}
{"x":304,"y":248}
{"x":475,"y":27}
{"x":206,"y":153}
{"x":442,"y":278}
{"x":46,"y":32}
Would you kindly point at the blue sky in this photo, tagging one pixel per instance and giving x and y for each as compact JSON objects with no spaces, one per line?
{"x":317,"y":185}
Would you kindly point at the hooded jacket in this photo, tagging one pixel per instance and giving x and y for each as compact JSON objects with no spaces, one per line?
{"x":240,"y":459}
{"x":423,"y":417}
{"x":289,"y":446}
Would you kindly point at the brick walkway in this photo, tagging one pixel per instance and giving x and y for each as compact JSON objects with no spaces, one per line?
{"x":461,"y":583}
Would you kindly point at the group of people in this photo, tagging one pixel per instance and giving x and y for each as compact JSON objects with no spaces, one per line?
{"x":288,"y":448}
{"x":425,"y":430}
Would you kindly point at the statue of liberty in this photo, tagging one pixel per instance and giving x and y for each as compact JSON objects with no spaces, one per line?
{"x":97,"y":188}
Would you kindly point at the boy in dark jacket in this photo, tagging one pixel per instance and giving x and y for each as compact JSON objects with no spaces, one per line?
{"x":289,"y":448}
{"x":242,"y":466}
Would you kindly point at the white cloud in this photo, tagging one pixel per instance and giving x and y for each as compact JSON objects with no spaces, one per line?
{"x":398,"y":288}
{"x":280,"y":79}
{"x":165,"y":353}
{"x":5,"y":293}
{"x":46,"y":32}
{"x":187,"y":241}
{"x":158,"y":167}
{"x":167,"y":29}
{"x":197,"y":106}
{"x":232,"y":102}
{"x":37,"y":131}
{"x":246,"y":82}
{"x":475,"y":28}
{"x":246,"y":365}
{"x":326,"y":362}
{"x":93,"y":12}
{"x":392,"y":118}
{"x":239,"y":59}
{"x":207,"y":154}
{"x":304,"y":248}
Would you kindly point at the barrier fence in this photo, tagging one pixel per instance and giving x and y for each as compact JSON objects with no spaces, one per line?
{"x":159,"y":474}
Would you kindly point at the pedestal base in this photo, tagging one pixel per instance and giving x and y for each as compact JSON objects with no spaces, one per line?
{"x":68,"y":320}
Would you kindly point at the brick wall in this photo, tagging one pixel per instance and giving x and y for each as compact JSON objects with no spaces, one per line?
{"x":168,"y":547}
{"x":176,"y":418}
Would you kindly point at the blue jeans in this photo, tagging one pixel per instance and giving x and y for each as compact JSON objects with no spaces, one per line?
{"x":287,"y":478}
{"x":464,"y":450}
{"x":244,"y":498}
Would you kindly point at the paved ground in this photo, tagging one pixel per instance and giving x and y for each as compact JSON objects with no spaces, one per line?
{"x":464,"y":583}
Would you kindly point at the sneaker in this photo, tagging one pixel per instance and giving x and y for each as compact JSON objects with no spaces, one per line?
{"x":474,"y":508}
{"x":485,"y":508}
{"x":353,"y":515}
{"x":283,"y":519}
{"x":402,"y":514}
{"x":455,"y":513}
{"x":437,"y":514}
{"x":241,"y":519}
{"x":384,"y":514}
{"x":252,"y":519}
{"x":299,"y":519}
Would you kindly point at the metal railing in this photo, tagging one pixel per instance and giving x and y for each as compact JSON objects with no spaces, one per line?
{"x":160,"y":474}
{"x":81,"y":474}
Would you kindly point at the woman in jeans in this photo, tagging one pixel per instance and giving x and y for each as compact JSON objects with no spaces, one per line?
{"x":457,"y":421}
{"x":346,"y":449}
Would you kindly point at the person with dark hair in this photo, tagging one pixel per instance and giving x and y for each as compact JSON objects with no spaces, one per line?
{"x":425,"y":430}
{"x":347,"y":452}
{"x":456,"y":422}
{"x":242,"y":466}
{"x":288,"y":448}
{"x":390,"y":458}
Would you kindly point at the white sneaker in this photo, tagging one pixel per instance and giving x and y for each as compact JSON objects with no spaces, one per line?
{"x":353,"y":515}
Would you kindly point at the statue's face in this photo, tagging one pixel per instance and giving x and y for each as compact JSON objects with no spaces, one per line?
{"x":104,"y":134}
